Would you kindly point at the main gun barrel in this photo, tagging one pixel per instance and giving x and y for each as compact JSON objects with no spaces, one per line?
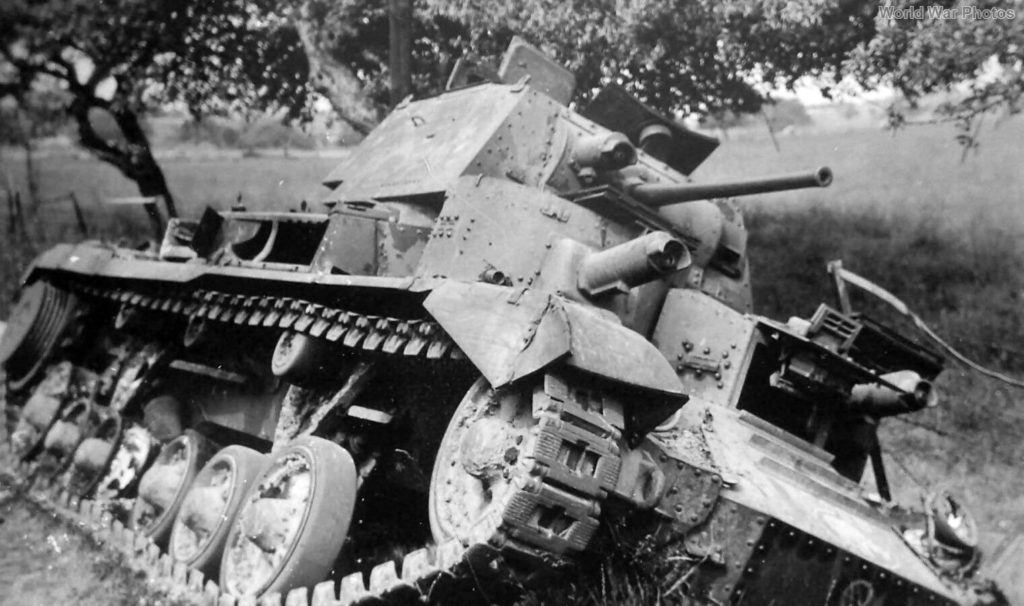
{"x":656,"y":194}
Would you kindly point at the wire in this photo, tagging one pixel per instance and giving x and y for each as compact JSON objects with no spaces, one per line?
{"x":894,"y":302}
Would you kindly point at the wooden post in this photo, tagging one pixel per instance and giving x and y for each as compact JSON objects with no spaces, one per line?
{"x":400,"y":49}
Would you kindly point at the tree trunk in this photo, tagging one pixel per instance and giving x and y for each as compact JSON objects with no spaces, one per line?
{"x":132,"y":156}
{"x":400,"y":49}
{"x":145,"y":171}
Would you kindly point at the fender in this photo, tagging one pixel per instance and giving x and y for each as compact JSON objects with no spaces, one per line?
{"x":510,"y":333}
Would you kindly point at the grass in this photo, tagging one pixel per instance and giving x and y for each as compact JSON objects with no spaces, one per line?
{"x":968,"y":287}
{"x":904,"y":211}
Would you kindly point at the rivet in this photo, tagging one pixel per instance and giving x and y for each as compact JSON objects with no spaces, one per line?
{"x":707,"y":350}
{"x":725,"y":354}
{"x":727,"y":365}
{"x":680,"y":465}
{"x":687,"y":345}
{"x":721,"y":385}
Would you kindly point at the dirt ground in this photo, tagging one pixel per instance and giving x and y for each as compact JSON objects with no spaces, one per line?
{"x":45,"y":563}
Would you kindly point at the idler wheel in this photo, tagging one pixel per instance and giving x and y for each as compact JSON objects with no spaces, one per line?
{"x":33,"y":332}
{"x":299,"y":358}
{"x":206,"y":514}
{"x":479,"y":459}
{"x":163,"y":487}
{"x":292,"y":522}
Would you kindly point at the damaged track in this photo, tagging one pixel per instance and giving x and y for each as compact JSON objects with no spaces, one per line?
{"x":425,"y":574}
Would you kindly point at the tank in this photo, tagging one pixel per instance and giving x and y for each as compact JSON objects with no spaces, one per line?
{"x":515,"y":327}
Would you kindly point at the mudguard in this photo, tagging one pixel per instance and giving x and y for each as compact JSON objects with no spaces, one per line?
{"x":509,"y":334}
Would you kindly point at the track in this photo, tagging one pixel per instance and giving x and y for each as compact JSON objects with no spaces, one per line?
{"x":445,"y":573}
{"x":489,"y":563}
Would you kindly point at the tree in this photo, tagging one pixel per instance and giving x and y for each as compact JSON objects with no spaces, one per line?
{"x":681,"y":56}
{"x":700,"y":56}
{"x":974,"y":52}
{"x":124,"y":57}
{"x":708,"y":57}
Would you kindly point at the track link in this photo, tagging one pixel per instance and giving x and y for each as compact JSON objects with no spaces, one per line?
{"x":371,"y":333}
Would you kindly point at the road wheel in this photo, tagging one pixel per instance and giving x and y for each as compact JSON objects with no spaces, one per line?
{"x":135,"y":448}
{"x":93,"y":457}
{"x":206,"y":514}
{"x":41,"y":410}
{"x":299,"y":358}
{"x":163,"y":486}
{"x":292,"y":522}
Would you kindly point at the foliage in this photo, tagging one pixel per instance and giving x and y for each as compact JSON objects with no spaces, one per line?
{"x":681,"y":56}
{"x":979,"y":60}
{"x":261,"y":133}
{"x":703,"y":56}
{"x":39,"y":115}
{"x":779,"y":113}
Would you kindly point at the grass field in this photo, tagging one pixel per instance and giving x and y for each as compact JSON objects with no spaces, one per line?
{"x":905,"y":211}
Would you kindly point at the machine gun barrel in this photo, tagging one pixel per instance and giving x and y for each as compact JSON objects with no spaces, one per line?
{"x":657,"y":195}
